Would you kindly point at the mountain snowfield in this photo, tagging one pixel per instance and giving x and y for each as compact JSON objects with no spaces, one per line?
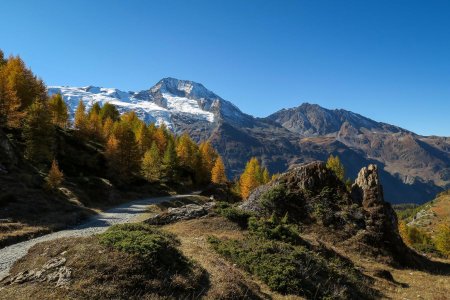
{"x":169,"y":99}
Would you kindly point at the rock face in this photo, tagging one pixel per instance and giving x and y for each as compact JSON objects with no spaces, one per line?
{"x":315,"y":198}
{"x":413,"y":168}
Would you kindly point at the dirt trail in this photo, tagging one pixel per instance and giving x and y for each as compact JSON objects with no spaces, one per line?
{"x":125,"y":213}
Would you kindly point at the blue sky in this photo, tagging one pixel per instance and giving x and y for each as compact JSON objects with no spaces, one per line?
{"x":385,"y":59}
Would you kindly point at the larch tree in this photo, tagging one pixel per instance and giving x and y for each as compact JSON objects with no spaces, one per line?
{"x":108,"y":126}
{"x":20,"y":79}
{"x":81,"y":120}
{"x":55,"y":176}
{"x":10,"y":112}
{"x":208,"y":156}
{"x":123,"y":151}
{"x":265,"y":176}
{"x":160,"y":137}
{"x":38,"y":133}
{"x":218,"y":172}
{"x":58,"y":110}
{"x":151,"y":164}
{"x":251,"y":178}
{"x":144,"y":138}
{"x":335,"y":165}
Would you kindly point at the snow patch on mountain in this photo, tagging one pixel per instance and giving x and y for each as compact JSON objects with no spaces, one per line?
{"x":143,"y":103}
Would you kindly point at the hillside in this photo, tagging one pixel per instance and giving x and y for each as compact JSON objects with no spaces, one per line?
{"x":429,"y":216}
{"x":332,"y":243}
{"x":413,"y":168}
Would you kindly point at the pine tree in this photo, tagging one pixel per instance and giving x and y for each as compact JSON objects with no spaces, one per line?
{"x":58,"y":111}
{"x":55,"y":177}
{"x":81,"y":118}
{"x":38,"y":133}
{"x":218,"y":172}
{"x":95,"y":109}
{"x":251,"y":178}
{"x":170,"y":161}
{"x":151,"y":164}
{"x":335,"y":165}
{"x":109,"y":111}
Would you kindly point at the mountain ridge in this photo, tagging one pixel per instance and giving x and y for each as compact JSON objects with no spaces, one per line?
{"x":414,"y":167}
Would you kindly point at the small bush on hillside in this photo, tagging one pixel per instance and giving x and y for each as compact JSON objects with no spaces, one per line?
{"x":416,"y":238}
{"x":145,"y":241}
{"x":292,"y":269}
{"x":443,"y":239}
{"x":274,"y":229}
{"x":233,"y":214}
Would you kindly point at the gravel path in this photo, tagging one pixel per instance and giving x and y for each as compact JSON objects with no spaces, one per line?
{"x":125,"y":213}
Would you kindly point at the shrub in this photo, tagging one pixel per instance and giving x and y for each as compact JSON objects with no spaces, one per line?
{"x":233,"y":214}
{"x":443,"y":239}
{"x":145,"y":241}
{"x":291,"y":269}
{"x":274,"y":229}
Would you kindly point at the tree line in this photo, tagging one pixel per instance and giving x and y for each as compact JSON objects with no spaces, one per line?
{"x":132,"y":148}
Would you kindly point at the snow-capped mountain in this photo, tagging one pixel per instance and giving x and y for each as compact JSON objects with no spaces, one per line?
{"x":171,"y":101}
{"x":413,"y":168}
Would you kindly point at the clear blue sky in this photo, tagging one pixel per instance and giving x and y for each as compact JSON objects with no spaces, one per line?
{"x":386,"y":59}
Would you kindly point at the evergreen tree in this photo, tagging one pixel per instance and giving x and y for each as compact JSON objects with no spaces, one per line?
{"x":38,"y":133}
{"x":58,"y":111}
{"x":81,"y":121}
{"x":170,"y":161}
{"x":151,"y":164}
{"x":109,"y":111}
{"x":55,"y":177}
{"x":218,"y":172}
{"x":95,"y":109}
{"x":335,"y":165}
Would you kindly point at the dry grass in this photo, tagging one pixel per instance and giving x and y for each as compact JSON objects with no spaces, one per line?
{"x":99,"y":272}
{"x":226,"y":280}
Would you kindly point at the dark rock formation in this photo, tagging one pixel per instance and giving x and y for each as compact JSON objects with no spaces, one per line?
{"x":317,"y":200}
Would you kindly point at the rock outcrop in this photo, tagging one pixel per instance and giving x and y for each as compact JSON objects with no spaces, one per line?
{"x":185,"y":212}
{"x":316,"y":199}
{"x":53,"y":271}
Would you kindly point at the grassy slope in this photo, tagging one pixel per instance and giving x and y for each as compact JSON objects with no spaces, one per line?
{"x":432,"y":214}
{"x":28,"y":210}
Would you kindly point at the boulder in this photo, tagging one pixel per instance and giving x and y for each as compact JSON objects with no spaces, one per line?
{"x":185,"y":212}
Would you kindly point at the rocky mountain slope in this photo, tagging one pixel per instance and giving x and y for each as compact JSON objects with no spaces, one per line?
{"x":413,"y":168}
